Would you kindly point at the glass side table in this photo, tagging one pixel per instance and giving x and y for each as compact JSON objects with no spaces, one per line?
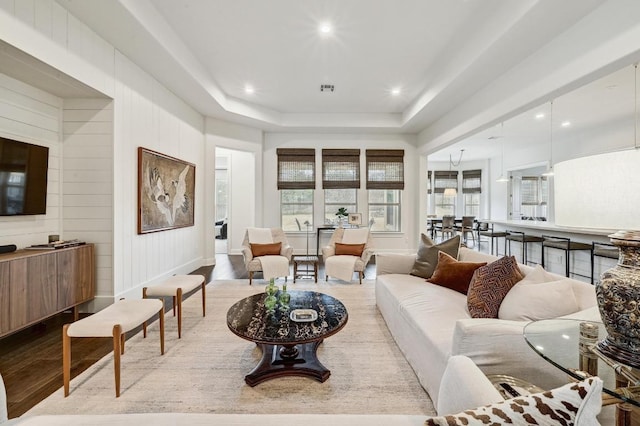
{"x":569,"y":344}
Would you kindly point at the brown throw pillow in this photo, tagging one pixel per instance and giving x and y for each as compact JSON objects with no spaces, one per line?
{"x":427,"y":257}
{"x":349,"y":249}
{"x":272,"y":249}
{"x":490,"y":284}
{"x":453,"y":274}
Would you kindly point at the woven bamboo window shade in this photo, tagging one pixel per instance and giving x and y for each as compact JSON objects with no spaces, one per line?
{"x":471,"y":181}
{"x":429,"y":182}
{"x":296,"y":168}
{"x":385,"y":169}
{"x":340,"y":168}
{"x":443,"y":180}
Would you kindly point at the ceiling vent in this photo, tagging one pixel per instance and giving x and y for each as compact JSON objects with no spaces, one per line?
{"x":326,"y":87}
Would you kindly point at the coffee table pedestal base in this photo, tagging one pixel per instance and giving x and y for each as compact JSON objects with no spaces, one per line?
{"x":289,"y":360}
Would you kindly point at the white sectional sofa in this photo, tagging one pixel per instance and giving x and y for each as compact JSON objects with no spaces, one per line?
{"x":431,"y":323}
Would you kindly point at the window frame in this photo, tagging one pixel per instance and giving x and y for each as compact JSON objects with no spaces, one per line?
{"x":387,"y":204}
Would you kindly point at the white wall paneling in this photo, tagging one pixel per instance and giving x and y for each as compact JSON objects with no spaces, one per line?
{"x":31,"y":115}
{"x":87,"y":212}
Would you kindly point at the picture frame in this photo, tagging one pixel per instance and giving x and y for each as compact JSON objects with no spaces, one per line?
{"x":355,"y":218}
{"x":166,"y":192}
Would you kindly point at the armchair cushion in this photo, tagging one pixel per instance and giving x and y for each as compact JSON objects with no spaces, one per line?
{"x":349,"y":249}
{"x":453,"y":274}
{"x":427,"y":257}
{"x":272,"y":249}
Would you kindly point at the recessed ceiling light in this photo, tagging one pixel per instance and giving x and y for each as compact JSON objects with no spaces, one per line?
{"x":565,"y":124}
{"x":539,"y":116}
{"x":326,"y":28}
{"x":249,"y":89}
{"x":395,"y":92}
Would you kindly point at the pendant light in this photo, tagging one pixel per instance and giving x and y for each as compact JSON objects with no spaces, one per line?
{"x":549,"y":171}
{"x":453,"y":191}
{"x":502,"y":177}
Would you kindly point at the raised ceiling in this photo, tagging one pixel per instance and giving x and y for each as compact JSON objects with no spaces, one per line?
{"x":437,"y":52}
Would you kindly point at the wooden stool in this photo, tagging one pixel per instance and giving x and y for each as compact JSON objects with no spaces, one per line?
{"x":176,"y":287}
{"x":305,"y":260}
{"x":113,"y":321}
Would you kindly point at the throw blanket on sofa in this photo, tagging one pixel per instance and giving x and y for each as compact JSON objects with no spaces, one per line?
{"x":343,"y":266}
{"x":274,"y":266}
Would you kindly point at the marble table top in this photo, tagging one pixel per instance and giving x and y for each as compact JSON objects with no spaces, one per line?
{"x":248,"y":318}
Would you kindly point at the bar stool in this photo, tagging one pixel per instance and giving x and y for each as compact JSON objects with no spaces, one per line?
{"x":567,"y":246}
{"x":521,"y":237}
{"x":485,"y":229}
{"x":602,"y":250}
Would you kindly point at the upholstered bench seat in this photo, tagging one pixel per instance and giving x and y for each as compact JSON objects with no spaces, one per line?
{"x":176,"y":287}
{"x":113,"y":321}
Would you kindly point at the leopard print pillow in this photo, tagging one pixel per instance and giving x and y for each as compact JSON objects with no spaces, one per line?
{"x":571,"y":404}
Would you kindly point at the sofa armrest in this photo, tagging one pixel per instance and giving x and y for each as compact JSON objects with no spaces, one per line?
{"x":328,"y":252}
{"x":287,"y":251}
{"x":498,"y":347}
{"x":394,"y":263}
{"x":366,"y":255}
{"x":247,"y":255}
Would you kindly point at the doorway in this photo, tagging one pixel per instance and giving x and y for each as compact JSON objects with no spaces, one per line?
{"x":222,"y":202}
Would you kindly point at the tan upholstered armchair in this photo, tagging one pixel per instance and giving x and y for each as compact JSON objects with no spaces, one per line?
{"x":254,"y":264}
{"x":338,"y":265}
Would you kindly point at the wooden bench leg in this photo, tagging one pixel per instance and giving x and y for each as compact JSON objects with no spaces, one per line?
{"x":76,"y":313}
{"x":250,"y":277}
{"x":179,"y":297}
{"x":117,"y":339}
{"x":204,"y":285}
{"x":161,"y":317}
{"x":66,"y":359}
{"x":122,"y":344}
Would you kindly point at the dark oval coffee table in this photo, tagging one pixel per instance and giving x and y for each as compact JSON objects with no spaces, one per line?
{"x":288,"y":347}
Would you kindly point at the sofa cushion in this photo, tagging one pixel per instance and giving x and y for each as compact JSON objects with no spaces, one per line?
{"x":574,"y":403}
{"x":490,"y":284}
{"x":453,"y":274}
{"x":272,"y":249}
{"x":532,"y":302}
{"x":349,"y":249}
{"x":538,"y":275}
{"x":427,"y":257}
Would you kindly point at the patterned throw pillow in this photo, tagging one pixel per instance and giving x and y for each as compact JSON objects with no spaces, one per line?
{"x":427,"y":257}
{"x":272,"y":249}
{"x":490,"y":284}
{"x":572,"y":404}
{"x":453,"y":274}
{"x":349,"y":249}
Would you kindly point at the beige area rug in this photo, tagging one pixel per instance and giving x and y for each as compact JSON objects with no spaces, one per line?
{"x":204,"y":371}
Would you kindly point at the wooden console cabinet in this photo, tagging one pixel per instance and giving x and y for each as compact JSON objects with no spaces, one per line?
{"x":36,"y":284}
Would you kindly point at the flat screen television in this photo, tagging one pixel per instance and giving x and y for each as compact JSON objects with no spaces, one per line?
{"x":23,"y":178}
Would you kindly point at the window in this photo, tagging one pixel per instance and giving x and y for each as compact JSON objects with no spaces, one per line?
{"x":445,"y":204}
{"x":336,"y":198}
{"x":384,"y":210}
{"x":534,"y":197}
{"x":385,"y":181}
{"x":296,"y":182}
{"x":340,"y":181}
{"x":471,"y":189}
{"x":296,"y":207}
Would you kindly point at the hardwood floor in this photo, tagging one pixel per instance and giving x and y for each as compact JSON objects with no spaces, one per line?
{"x":31,"y":359}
